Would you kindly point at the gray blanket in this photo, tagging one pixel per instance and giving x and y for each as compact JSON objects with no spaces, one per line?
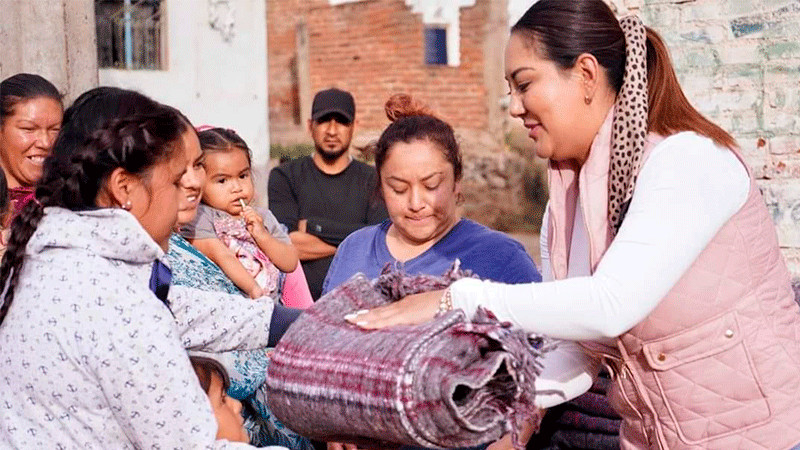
{"x":448,"y":383}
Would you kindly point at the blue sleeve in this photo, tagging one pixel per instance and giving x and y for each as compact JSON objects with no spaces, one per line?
{"x":282,"y":318}
{"x":337,"y":271}
{"x":520,"y":267}
{"x":505,"y":260}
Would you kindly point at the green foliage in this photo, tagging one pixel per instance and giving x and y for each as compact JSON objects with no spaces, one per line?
{"x":287,"y":152}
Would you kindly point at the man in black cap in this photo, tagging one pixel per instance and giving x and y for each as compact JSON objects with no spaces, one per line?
{"x":326,"y":196}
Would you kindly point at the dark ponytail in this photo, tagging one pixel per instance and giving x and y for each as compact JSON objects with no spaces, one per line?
{"x":22,"y":229}
{"x":669,"y":109}
{"x":76,"y":172}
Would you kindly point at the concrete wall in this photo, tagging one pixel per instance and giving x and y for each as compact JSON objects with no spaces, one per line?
{"x":55,"y":39}
{"x":216,"y":74}
{"x":739,"y":63}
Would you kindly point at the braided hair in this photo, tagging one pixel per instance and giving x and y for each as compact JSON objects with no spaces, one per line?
{"x":132,"y":139}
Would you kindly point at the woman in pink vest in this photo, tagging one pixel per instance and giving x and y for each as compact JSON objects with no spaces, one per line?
{"x":665,"y":260}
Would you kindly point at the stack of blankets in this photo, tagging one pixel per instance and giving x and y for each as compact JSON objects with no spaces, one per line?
{"x":451,"y":382}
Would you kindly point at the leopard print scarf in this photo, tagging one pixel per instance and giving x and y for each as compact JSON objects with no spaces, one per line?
{"x":629,"y":130}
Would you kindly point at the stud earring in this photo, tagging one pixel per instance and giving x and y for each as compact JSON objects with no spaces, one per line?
{"x":127,"y":206}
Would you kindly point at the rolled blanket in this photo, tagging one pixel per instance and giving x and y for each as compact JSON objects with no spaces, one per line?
{"x":450,"y":382}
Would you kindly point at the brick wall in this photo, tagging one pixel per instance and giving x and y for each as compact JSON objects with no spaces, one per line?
{"x":281,"y":64}
{"x":739,"y":63}
{"x":373,"y":49}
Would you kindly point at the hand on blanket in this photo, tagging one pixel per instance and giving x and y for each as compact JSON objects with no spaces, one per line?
{"x":412,"y":310}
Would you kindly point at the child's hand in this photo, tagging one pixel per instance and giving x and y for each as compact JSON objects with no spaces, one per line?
{"x":256,"y":291}
{"x":253,"y":221}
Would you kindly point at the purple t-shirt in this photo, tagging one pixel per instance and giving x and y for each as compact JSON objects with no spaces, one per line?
{"x":488,"y":253}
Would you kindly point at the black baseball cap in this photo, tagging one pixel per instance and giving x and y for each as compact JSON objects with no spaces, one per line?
{"x":333,"y":101}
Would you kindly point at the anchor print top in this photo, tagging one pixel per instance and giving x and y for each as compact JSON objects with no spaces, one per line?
{"x":90,"y":357}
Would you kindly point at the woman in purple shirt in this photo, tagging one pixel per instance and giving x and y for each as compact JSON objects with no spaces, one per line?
{"x":419,"y":172}
{"x":418,"y":162}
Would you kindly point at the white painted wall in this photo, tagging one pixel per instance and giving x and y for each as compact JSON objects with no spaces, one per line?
{"x":516,"y":8}
{"x":447,"y":13}
{"x":215,"y":75}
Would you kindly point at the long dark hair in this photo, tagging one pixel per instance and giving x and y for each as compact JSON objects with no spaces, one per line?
{"x":79,"y":166}
{"x":562,"y":30}
{"x":21,"y":87}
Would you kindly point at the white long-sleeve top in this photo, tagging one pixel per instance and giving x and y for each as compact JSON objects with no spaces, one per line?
{"x":90,"y":357}
{"x":687,"y":189}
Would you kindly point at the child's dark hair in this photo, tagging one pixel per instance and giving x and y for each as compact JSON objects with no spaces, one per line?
{"x":76,"y":172}
{"x":204,"y":368}
{"x":413,"y":121}
{"x":214,"y":140}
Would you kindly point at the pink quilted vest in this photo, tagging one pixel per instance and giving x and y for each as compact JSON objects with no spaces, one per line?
{"x":717,"y":363}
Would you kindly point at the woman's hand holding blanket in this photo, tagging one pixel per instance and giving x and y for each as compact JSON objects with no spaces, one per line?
{"x":412,"y":310}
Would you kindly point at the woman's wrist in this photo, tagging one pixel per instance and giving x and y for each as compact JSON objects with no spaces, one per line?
{"x":463,"y":294}
{"x":446,"y":301}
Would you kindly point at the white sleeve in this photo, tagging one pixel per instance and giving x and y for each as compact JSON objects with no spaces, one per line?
{"x":567,"y":372}
{"x":148,"y":381}
{"x":544,"y":250}
{"x":686,"y":191}
{"x":220,"y":322}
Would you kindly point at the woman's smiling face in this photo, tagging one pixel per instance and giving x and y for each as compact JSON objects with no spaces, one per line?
{"x":549,"y":100}
{"x":193,"y":179}
{"x":26,"y":138}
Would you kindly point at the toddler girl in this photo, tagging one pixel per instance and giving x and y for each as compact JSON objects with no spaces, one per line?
{"x":248,"y":245}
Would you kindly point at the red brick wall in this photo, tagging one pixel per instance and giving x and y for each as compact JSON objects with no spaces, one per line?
{"x":282,"y":18}
{"x":373,"y":49}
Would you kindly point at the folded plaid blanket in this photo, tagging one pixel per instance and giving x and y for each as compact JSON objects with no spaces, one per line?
{"x":448,"y":383}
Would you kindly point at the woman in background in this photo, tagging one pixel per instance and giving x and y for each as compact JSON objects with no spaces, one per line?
{"x":419,"y":168}
{"x":30,"y":118}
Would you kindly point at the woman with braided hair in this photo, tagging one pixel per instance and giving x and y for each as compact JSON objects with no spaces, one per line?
{"x":92,"y":354}
{"x":209,"y":310}
{"x":664,"y":259}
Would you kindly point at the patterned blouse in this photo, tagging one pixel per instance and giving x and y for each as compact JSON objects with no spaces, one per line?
{"x":247,"y":369}
{"x":91,"y":358}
